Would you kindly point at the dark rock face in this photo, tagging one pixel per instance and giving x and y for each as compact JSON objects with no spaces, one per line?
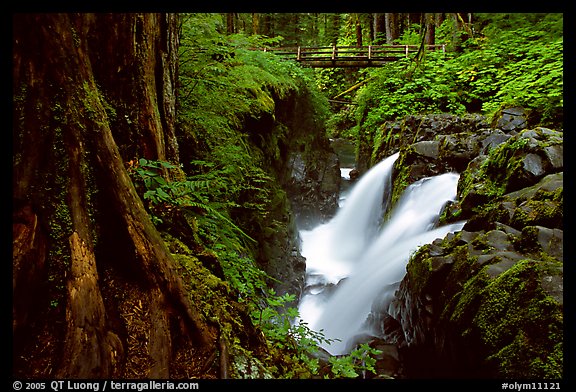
{"x":313,"y":186}
{"x":400,"y":134}
{"x":296,"y":149}
{"x":512,"y":119}
{"x":487,"y":313}
{"x":307,"y":166}
{"x":485,"y":302}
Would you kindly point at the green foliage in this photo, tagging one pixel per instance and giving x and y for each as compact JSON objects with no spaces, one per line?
{"x":359,"y":359}
{"x":342,"y":125}
{"x":518,"y":66}
{"x":202,"y":196}
{"x":331,"y":80}
{"x":277,"y":321}
{"x":191,"y":194}
{"x":400,"y":89}
{"x":217,"y":96}
{"x":226,"y":176}
{"x":411,"y":35}
{"x":235,"y":195}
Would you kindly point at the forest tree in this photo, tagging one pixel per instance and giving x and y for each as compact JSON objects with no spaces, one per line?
{"x":94,"y":91}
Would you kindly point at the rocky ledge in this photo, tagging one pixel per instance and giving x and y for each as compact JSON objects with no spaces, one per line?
{"x":486,"y":302}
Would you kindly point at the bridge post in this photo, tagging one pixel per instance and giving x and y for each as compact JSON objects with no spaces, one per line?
{"x":298,"y":55}
{"x":333,"y":52}
{"x":406,"y":51}
{"x":369,"y":52}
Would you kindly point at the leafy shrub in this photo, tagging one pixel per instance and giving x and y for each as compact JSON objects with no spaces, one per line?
{"x":518,"y":66}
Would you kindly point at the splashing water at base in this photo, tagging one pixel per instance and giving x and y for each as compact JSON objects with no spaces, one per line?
{"x":351,"y":259}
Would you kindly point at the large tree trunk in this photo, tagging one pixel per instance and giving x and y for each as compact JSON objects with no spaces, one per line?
{"x":255,"y":23}
{"x":142,"y":127}
{"x":92,"y":92}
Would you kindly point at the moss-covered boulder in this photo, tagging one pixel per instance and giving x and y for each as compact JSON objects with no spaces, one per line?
{"x":487,"y":302}
{"x":477,"y":304}
{"x":519,"y":163}
{"x":375,"y":145}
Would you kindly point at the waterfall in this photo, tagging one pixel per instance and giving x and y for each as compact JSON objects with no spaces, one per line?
{"x":331,"y":249}
{"x":355,"y":258}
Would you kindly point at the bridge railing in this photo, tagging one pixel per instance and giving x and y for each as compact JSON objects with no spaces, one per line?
{"x":350,"y":53}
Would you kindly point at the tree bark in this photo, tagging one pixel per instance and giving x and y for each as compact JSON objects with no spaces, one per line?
{"x":358,"y":30}
{"x":255,"y":23}
{"x":231,"y":23}
{"x":379,"y":29}
{"x":92,"y":91}
{"x":392,"y":33}
{"x":430,"y":29}
{"x":142,"y":127}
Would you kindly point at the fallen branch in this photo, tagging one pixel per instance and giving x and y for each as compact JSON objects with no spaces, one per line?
{"x":357,"y":85}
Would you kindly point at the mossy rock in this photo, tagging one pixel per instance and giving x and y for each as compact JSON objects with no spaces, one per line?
{"x":520,"y":162}
{"x":519,"y":324}
{"x":490,"y":302}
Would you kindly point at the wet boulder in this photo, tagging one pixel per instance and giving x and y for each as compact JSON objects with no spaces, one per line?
{"x":400,"y":134}
{"x":486,"y":302}
{"x":521,"y":162}
{"x":512,"y":119}
{"x":493,"y":311}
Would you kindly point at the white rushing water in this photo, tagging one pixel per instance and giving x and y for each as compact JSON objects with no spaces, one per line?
{"x":353,"y":258}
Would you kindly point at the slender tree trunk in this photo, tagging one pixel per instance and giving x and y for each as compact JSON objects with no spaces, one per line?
{"x":92,"y":91}
{"x":231,"y":23}
{"x":392,"y":31}
{"x":268,"y":29}
{"x":255,"y":23}
{"x":414,"y":17}
{"x":358,"y":28}
{"x":460,"y":32}
{"x":429,"y":21}
{"x":379,"y":29}
{"x":438,"y":19}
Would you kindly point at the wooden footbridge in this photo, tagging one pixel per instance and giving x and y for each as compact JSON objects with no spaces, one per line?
{"x":349,"y":56}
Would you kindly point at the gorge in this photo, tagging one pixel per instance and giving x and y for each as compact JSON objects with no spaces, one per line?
{"x":369,"y":280}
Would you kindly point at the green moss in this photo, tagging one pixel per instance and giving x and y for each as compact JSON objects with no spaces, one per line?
{"x":465,"y":303}
{"x":484,"y":183}
{"x":401,"y":175}
{"x":380,"y":140}
{"x":217,"y":302}
{"x":539,"y":212}
{"x":421,"y":267}
{"x":518,"y":326}
{"x":519,"y":323}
